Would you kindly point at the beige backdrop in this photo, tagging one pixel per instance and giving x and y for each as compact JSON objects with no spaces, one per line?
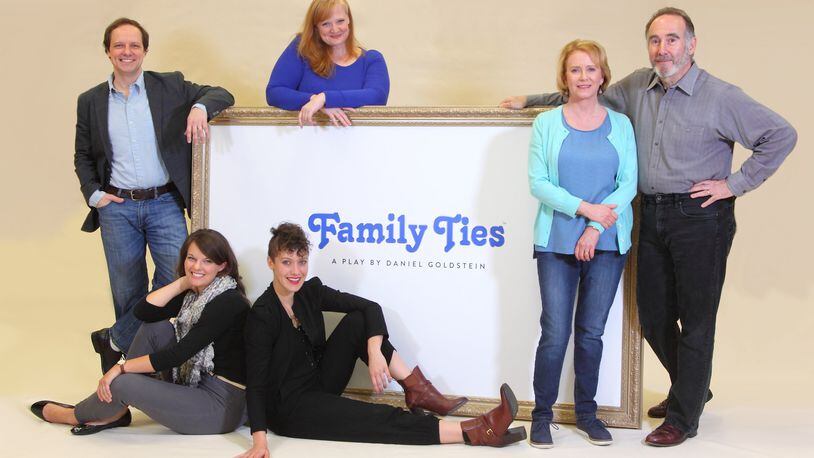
{"x":461,"y":52}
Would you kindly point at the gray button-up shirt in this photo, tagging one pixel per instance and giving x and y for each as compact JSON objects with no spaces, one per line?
{"x":685,"y":134}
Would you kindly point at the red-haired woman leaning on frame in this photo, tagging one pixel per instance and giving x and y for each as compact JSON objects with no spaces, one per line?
{"x":325,"y":69}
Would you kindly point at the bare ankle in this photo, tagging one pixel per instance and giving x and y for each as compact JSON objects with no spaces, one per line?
{"x":57,"y":414}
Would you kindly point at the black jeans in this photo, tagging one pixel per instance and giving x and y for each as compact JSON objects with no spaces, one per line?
{"x":681,"y":268}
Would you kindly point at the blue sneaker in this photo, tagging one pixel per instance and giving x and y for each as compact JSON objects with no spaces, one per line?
{"x":595,"y":430}
{"x":541,"y":434}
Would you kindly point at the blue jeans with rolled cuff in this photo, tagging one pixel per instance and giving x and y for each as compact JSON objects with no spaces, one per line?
{"x":128,"y":229}
{"x":560,"y":277}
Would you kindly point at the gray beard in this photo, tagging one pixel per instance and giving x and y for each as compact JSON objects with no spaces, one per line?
{"x":666,"y":75}
{"x":677,"y":65}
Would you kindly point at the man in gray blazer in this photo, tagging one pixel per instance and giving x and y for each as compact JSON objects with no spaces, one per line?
{"x":133,"y":160}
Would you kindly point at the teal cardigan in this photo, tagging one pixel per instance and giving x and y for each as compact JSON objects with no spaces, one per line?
{"x":547,"y":136}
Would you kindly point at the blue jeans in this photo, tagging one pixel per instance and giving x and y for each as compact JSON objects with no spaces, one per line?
{"x":560,"y":275}
{"x":681,"y":266}
{"x":128,"y":229}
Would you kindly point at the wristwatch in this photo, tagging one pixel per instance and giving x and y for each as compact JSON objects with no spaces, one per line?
{"x":121,"y":365}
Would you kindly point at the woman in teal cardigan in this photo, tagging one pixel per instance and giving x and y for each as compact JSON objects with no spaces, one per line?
{"x":582,"y":170}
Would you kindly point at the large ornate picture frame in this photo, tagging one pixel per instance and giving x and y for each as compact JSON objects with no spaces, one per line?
{"x":240,"y":166}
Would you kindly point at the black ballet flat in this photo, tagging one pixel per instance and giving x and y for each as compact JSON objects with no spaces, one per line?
{"x":39,"y":406}
{"x":85,"y":430}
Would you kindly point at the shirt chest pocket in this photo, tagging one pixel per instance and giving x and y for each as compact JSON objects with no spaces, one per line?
{"x":684,"y":139}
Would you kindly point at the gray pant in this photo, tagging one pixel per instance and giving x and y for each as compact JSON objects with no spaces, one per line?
{"x":213,"y":407}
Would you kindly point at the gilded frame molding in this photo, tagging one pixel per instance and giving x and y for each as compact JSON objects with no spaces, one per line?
{"x":628,"y":415}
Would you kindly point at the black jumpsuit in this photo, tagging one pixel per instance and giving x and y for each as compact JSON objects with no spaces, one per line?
{"x":296,"y":377}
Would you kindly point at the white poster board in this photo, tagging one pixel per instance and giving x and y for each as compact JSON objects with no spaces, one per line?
{"x":432,"y":219}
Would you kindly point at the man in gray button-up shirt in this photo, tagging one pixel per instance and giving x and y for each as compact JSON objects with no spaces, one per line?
{"x":686,"y":123}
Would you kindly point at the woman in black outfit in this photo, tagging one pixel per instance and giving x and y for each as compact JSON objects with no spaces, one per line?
{"x":203,"y":348}
{"x":296,"y":377}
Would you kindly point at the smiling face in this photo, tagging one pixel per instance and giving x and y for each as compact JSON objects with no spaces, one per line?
{"x":126,"y":51}
{"x":334,"y":29}
{"x":582,"y":76}
{"x":669,"y":49}
{"x":290,"y":270}
{"x":199,"y":269}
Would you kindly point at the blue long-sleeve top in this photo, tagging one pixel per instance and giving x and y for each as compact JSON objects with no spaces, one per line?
{"x":547,"y":136}
{"x":292,"y":82}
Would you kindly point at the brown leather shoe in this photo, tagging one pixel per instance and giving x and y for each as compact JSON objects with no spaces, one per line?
{"x":419,"y":394}
{"x":660,"y":410}
{"x":666,"y":436}
{"x":492,"y":428}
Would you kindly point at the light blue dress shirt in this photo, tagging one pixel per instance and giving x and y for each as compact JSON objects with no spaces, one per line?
{"x":136,"y":162}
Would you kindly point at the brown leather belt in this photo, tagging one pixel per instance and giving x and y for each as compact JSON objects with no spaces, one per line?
{"x":234,"y":384}
{"x":140,"y":194}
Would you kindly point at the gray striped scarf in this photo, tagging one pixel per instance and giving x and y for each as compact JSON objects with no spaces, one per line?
{"x":189,"y":373}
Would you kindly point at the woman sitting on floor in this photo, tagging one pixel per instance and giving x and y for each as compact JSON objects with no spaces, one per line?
{"x":296,"y":376}
{"x":203,"y":348}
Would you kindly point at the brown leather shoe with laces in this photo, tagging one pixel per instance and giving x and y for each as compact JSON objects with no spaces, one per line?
{"x":666,"y":435}
{"x":659,"y":410}
{"x":420,"y":395}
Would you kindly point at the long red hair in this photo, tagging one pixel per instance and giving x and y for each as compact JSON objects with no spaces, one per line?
{"x":311,"y":46}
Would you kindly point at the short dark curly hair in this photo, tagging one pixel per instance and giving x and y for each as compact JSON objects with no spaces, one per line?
{"x":288,"y":237}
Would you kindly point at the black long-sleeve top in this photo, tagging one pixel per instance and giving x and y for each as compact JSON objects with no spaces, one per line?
{"x":269,"y":348}
{"x":222,"y":322}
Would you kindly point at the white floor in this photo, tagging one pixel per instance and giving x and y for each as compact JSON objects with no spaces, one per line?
{"x":46,"y":354}
{"x":745,"y":431}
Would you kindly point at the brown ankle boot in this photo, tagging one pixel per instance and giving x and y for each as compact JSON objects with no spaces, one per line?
{"x":419,"y":394}
{"x":492,"y":428}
